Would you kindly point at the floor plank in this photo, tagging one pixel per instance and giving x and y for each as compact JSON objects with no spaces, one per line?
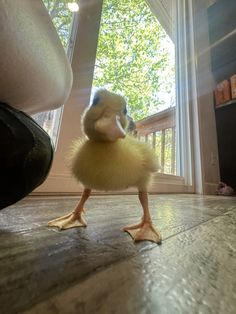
{"x":193,"y":272}
{"x":38,"y":264}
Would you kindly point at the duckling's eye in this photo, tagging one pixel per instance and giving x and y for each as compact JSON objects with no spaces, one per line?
{"x":125,"y":110}
{"x":96,"y":100}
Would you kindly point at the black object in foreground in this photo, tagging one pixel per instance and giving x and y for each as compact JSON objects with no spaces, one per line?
{"x":26,"y":155}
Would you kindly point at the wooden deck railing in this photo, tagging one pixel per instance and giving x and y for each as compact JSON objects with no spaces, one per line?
{"x":159,"y":131}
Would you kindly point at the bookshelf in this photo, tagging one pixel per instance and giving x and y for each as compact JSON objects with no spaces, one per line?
{"x":228,"y":103}
{"x":222,"y":36}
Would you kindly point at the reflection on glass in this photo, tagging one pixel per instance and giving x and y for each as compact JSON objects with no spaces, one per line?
{"x":62,"y":19}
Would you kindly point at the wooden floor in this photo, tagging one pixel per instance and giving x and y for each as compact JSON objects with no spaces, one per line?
{"x":99,"y":269}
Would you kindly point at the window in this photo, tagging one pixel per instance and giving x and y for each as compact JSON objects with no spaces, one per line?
{"x":141,"y":51}
{"x":136,"y":57}
{"x":65,"y":24}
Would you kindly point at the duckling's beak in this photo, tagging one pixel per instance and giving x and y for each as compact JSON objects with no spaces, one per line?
{"x":110,"y":127}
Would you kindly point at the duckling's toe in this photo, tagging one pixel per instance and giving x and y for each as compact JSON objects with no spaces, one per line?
{"x":68,"y":221}
{"x":145,"y":232}
{"x":133,"y":227}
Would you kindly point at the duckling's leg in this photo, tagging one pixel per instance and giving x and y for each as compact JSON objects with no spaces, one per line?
{"x":75,"y":218}
{"x":145,"y":230}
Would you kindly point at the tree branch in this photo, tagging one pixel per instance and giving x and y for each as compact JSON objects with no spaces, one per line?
{"x":55,"y":9}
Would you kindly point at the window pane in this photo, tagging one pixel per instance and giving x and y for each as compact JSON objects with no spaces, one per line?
{"x":62,"y":19}
{"x":136,"y":57}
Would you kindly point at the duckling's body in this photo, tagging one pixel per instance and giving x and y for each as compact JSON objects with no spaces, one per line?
{"x":111,"y":166}
{"x":110,"y":160}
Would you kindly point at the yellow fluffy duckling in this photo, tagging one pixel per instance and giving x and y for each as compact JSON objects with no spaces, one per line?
{"x":110,"y":160}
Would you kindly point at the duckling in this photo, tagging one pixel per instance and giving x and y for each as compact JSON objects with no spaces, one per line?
{"x":109,"y":159}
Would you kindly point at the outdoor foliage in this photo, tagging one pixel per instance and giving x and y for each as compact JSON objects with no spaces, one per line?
{"x":134,"y":58}
{"x":61,"y":18}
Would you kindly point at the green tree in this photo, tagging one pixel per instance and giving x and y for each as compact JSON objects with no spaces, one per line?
{"x":61,"y":18}
{"x":132,"y":56}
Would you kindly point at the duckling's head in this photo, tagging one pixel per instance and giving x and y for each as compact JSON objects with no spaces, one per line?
{"x":105,"y":119}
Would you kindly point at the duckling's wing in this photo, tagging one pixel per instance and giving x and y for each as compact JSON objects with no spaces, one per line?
{"x":75,"y":146}
{"x":149,"y":158}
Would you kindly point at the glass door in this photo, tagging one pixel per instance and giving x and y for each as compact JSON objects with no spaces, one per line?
{"x":141,"y":46}
{"x":136,"y":57}
{"x":65,"y":23}
{"x":139,"y":49}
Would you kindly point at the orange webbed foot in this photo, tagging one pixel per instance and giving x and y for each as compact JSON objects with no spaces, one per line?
{"x":144,"y":231}
{"x":68,"y":221}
